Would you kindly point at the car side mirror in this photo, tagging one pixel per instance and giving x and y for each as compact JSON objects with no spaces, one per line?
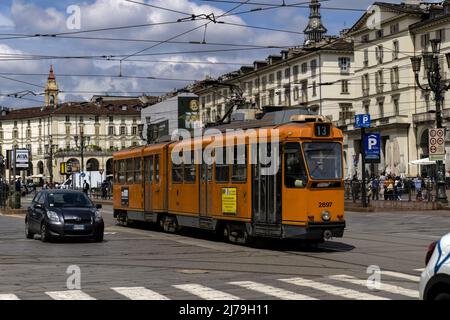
{"x":39,"y":206}
{"x":98,"y":206}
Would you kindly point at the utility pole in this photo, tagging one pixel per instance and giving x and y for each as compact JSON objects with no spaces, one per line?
{"x":363,"y":162}
{"x":51,"y":159}
{"x":438,"y":87}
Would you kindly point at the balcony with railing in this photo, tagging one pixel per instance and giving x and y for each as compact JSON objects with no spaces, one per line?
{"x":396,"y":119}
{"x":424,"y":117}
{"x":345,"y":118}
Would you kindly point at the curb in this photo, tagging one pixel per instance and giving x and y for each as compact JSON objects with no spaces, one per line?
{"x":13,"y":212}
{"x":102,"y":201}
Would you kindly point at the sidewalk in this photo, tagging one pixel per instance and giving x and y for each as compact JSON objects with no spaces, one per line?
{"x":397,"y":205}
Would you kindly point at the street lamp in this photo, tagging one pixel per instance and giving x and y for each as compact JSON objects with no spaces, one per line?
{"x":438,"y":87}
{"x":49,"y":151}
{"x":83,"y":141}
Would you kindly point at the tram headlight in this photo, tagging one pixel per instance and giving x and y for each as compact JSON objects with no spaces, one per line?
{"x":325,"y":215}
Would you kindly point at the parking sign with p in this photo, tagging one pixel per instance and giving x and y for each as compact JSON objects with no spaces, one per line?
{"x":372,"y":147}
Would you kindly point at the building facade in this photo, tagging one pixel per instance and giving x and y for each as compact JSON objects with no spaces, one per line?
{"x":315,"y":76}
{"x":175,"y":111}
{"x":84,"y":134}
{"x":399,"y":109}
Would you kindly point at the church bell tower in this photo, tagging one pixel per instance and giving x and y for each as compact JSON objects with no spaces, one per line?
{"x":315,"y":29}
{"x":51,"y":90}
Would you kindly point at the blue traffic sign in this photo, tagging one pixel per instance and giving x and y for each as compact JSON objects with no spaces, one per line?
{"x":83,"y":174}
{"x":362,"y":121}
{"x":372,"y":147}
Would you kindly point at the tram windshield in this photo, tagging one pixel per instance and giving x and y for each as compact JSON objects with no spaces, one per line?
{"x":324,"y":160}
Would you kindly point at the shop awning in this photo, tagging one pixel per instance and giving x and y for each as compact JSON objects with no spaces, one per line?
{"x":423,"y":162}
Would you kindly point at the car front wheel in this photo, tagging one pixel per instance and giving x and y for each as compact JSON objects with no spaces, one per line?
{"x":98,"y":237}
{"x":28,"y":233}
{"x":44,"y":233}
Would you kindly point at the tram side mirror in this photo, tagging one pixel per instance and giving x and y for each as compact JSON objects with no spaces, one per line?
{"x":299,"y":184}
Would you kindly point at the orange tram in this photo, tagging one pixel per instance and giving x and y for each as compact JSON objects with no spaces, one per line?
{"x":241,"y":200}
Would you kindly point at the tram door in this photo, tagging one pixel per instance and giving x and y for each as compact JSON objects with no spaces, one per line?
{"x":205,"y":189}
{"x":148,"y":178}
{"x":266,"y":190}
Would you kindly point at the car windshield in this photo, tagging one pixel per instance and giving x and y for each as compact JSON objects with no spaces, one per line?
{"x":61,"y":200}
{"x":324,"y":160}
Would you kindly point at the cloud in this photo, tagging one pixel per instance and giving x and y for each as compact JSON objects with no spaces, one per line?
{"x":5,"y":22}
{"x":30,"y":18}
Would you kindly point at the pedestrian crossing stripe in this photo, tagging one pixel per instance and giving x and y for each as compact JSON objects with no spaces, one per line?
{"x":69,"y":295}
{"x":8,"y":297}
{"x":205,"y":292}
{"x":399,"y":275}
{"x":139,"y":293}
{"x":383,"y":286}
{"x":271,"y":291}
{"x":333,"y":290}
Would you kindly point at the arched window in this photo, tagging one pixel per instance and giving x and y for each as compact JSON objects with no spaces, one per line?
{"x":92,"y":165}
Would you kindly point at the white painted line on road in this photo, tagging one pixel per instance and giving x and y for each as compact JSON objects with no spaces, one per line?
{"x":420,"y":269}
{"x":271,"y":291}
{"x":205,"y":292}
{"x":8,"y":297}
{"x":401,"y":275}
{"x":383,"y":286}
{"x":333,"y":290}
{"x":139,"y":293}
{"x":69,"y":295}
{"x":109,"y":233}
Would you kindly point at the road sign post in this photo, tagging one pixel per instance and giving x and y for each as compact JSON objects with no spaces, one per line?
{"x":363,"y":121}
{"x":372,"y":147}
{"x":436,"y":143}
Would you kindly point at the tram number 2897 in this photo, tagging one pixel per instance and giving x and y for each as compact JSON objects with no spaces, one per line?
{"x":325,"y":204}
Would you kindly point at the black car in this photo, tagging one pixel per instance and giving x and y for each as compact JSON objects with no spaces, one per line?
{"x":63,"y":214}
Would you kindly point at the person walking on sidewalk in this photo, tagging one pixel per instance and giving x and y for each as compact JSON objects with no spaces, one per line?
{"x":418,"y":186}
{"x":375,"y":188}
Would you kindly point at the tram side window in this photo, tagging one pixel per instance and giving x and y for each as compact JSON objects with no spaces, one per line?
{"x":122,"y":171}
{"x":149,"y":169}
{"x":137,"y":170}
{"x":222,"y":168}
{"x":177,"y":173}
{"x":239,"y":173}
{"x":157,"y":169}
{"x":190,"y":170}
{"x":295,"y":175}
{"x":130,"y":171}
{"x":116,"y":172}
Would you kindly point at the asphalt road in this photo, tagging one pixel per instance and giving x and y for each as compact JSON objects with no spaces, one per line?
{"x":143,"y":263}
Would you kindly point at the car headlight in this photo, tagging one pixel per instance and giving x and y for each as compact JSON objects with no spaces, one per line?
{"x":98,"y":215}
{"x":53,"y":216}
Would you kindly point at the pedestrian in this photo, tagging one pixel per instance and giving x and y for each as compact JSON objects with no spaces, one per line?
{"x":355,"y":187}
{"x":375,"y":188}
{"x":86,"y":187}
{"x":104,"y":189}
{"x":418,"y":186}
{"x":18,"y":185}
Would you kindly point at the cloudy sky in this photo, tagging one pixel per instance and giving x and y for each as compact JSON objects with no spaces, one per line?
{"x":83,"y":61}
